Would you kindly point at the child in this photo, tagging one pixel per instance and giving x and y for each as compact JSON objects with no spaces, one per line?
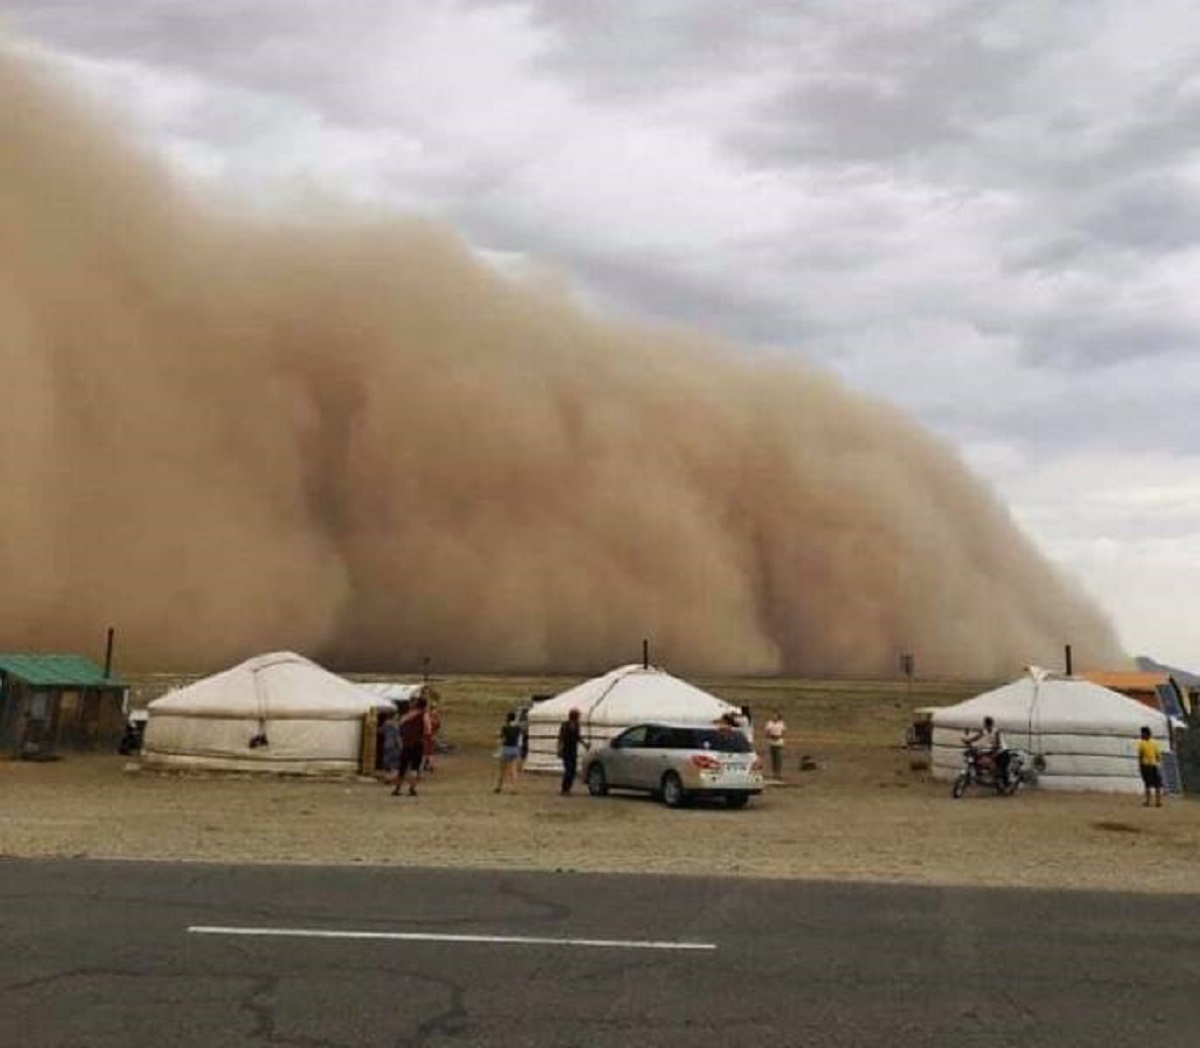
{"x":1150,"y":765}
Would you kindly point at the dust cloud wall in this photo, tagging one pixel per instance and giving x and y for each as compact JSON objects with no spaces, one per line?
{"x":355,"y":440}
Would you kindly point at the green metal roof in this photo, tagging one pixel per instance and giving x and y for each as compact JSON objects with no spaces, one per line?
{"x":65,"y":671}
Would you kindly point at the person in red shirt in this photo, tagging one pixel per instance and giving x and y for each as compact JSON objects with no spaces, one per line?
{"x":413,"y":727}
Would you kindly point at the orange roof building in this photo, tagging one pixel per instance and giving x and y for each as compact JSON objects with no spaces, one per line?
{"x":1145,"y":687}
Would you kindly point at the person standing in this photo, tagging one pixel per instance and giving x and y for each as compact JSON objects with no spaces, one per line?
{"x":747,"y":724}
{"x":391,"y":748}
{"x":433,"y":722}
{"x":510,"y":751}
{"x":1150,"y":765}
{"x":412,"y":747}
{"x":569,"y":737}
{"x":523,"y":756}
{"x":775,"y":730}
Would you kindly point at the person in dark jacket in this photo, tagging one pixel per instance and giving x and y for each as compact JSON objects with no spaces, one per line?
{"x":569,"y":738}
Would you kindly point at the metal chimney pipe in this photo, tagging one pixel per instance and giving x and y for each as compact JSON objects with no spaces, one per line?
{"x":108,"y":653}
{"x":1068,"y":654}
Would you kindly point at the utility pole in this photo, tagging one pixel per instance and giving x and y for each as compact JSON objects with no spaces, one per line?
{"x":908,"y":666}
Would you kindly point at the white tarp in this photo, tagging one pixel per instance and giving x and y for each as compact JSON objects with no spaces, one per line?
{"x":621,"y":698}
{"x":1085,"y":735}
{"x":312,"y":719}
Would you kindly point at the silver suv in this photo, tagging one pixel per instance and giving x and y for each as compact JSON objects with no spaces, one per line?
{"x":676,"y":762}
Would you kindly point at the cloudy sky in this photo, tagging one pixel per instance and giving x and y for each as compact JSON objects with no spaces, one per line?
{"x":986,"y":212}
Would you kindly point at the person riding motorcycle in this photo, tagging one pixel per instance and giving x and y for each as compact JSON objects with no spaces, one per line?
{"x":989,"y":743}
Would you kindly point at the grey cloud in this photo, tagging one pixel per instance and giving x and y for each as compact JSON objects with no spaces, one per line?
{"x":711,"y":303}
{"x":1129,"y":411}
{"x":167,"y":31}
{"x":1165,"y":133}
{"x":660,"y":287}
{"x":857,"y":86}
{"x":613,"y":50}
{"x":1043,"y":249}
{"x":1099,"y":339}
{"x":893,"y":98}
{"x":1068,"y":170}
{"x":286,"y":47}
{"x":1156,"y":213}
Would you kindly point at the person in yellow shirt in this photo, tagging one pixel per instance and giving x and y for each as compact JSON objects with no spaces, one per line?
{"x":1150,"y":765}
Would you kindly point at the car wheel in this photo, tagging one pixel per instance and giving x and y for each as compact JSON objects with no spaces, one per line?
{"x":672,"y":790}
{"x":737,"y":800}
{"x":597,"y":783}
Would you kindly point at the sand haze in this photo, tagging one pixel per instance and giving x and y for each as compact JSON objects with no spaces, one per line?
{"x":357,"y":441}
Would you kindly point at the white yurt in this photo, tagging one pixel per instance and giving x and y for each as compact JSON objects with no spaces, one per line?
{"x":1085,"y":735}
{"x":278,"y":712}
{"x":609,"y":704}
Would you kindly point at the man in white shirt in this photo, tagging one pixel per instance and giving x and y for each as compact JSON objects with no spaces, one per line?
{"x":989,"y":743}
{"x":774,"y":730}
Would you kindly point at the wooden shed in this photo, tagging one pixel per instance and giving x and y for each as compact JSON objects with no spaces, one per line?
{"x":50,"y":704}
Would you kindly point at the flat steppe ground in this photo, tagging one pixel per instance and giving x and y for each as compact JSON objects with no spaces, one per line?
{"x":863,"y":814}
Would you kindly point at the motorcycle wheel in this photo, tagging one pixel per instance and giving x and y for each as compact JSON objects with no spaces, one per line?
{"x":960,"y":784}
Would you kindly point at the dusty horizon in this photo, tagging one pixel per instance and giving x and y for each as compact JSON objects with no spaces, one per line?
{"x":353,"y":439}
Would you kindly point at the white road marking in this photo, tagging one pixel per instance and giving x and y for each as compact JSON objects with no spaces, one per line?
{"x":502,"y":940}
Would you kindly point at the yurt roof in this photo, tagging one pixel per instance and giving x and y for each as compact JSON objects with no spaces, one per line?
{"x":387,"y":692}
{"x":634,"y":693}
{"x":279,"y":685}
{"x":1053,"y":704}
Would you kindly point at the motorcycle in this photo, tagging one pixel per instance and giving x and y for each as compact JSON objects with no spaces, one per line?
{"x":981,"y":769}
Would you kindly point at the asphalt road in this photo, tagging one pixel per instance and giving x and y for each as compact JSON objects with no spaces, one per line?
{"x":139,"y":954}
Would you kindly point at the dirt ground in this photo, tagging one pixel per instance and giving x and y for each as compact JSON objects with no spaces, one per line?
{"x":864,"y":813}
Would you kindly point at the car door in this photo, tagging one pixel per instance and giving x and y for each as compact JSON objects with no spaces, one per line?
{"x":625,"y":752}
{"x":654,"y":757}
